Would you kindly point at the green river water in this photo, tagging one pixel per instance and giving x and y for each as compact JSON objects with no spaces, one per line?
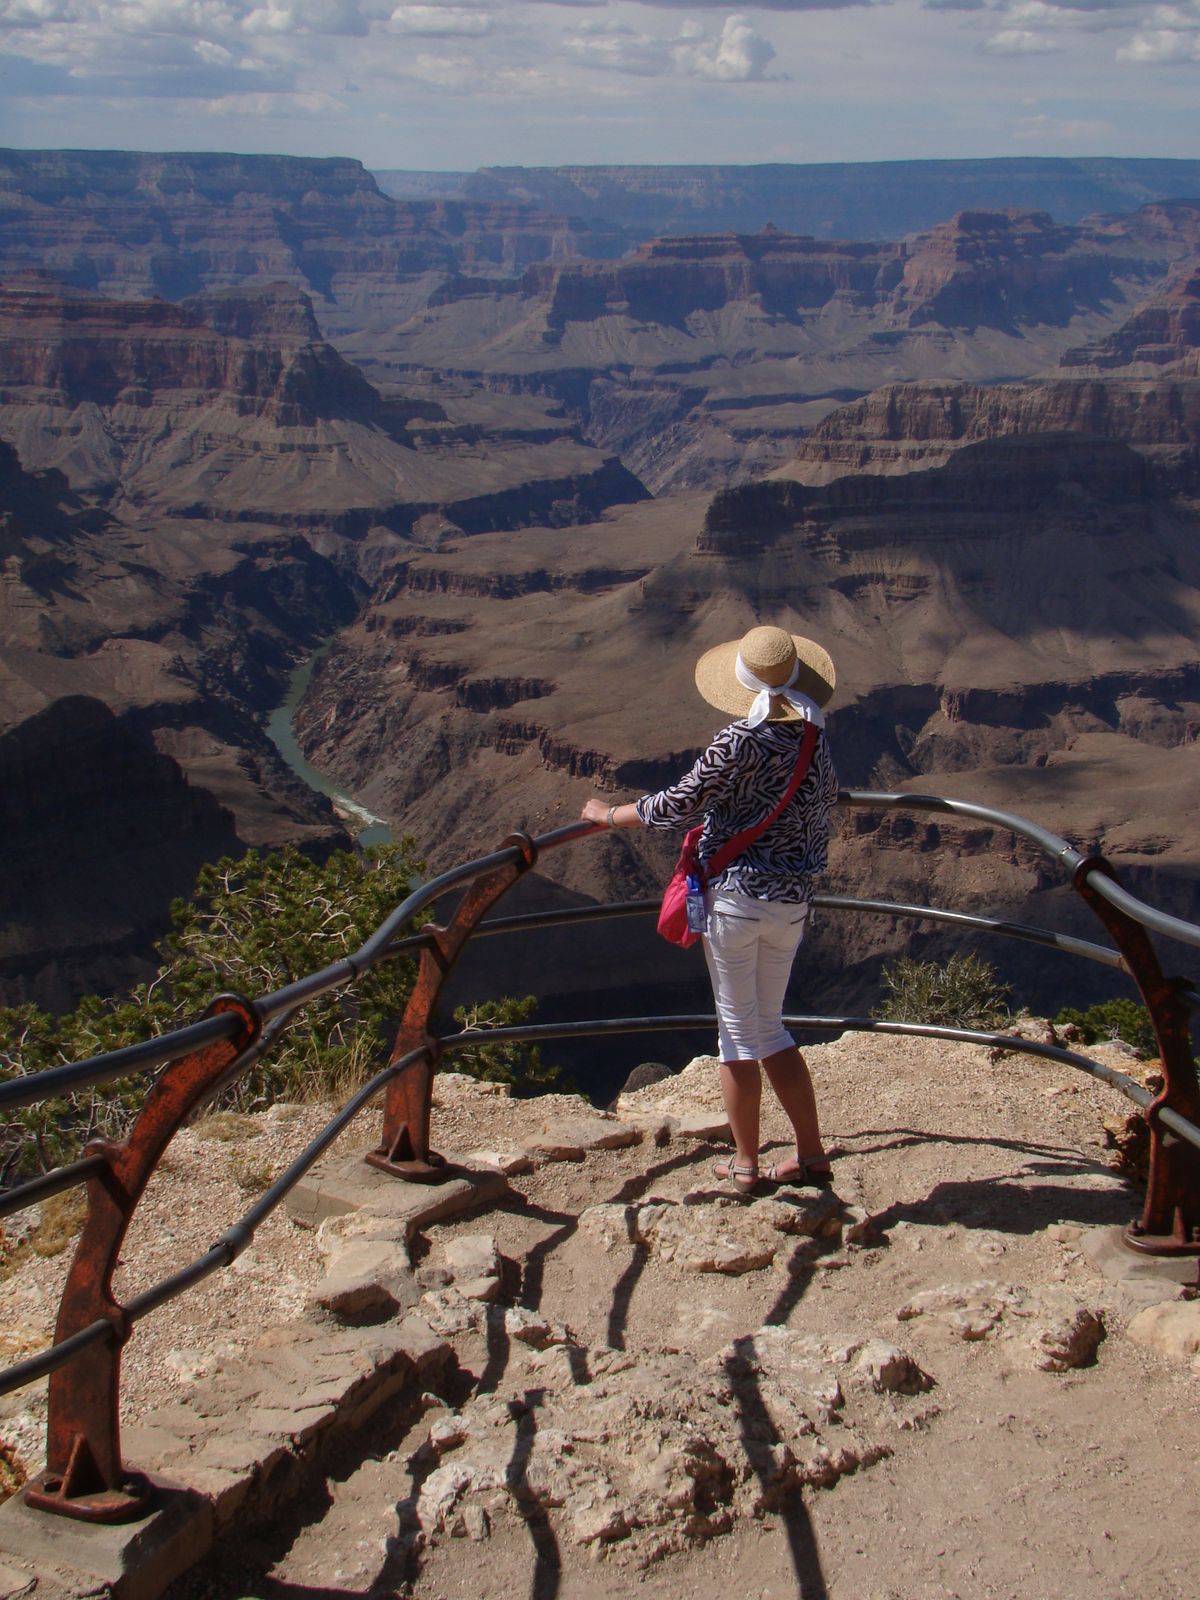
{"x":369,"y":829}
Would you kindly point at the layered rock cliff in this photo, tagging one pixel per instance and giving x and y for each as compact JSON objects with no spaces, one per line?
{"x":133,"y":224}
{"x":903,"y":427}
{"x":1162,"y":330}
{"x":701,"y":360}
{"x":842,"y":200}
{"x":250,"y":415}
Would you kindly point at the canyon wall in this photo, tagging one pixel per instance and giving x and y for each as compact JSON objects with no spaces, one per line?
{"x":704,"y":360}
{"x":843,"y":200}
{"x":134,"y":224}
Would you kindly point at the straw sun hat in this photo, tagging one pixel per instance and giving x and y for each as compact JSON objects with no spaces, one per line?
{"x":771,"y":655}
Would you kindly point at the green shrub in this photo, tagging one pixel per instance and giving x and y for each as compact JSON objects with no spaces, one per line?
{"x":506,"y":1061}
{"x":253,"y":926}
{"x":1112,"y":1019}
{"x":964,"y":993}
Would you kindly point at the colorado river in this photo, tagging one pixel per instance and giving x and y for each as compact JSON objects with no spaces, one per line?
{"x":371,"y":829}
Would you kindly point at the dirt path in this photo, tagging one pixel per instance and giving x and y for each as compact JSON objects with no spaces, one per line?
{"x":992,"y":1477}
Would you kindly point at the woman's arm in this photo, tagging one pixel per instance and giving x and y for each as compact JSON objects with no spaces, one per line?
{"x":611,"y":816}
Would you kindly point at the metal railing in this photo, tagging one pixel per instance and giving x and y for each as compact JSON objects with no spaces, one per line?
{"x":85,"y":1476}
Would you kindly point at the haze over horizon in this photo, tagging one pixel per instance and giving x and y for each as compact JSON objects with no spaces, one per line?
{"x":458,"y":84}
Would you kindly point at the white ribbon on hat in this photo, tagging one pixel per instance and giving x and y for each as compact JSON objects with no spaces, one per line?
{"x":803,"y":705}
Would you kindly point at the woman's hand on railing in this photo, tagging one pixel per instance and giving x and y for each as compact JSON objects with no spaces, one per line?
{"x":595,"y":810}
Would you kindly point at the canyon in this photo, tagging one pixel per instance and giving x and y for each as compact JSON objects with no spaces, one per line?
{"x":525,"y":467}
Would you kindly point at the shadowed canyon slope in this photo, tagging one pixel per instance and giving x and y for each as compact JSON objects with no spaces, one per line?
{"x":192,"y":497}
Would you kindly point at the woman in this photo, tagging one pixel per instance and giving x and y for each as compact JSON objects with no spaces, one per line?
{"x":775,"y":684}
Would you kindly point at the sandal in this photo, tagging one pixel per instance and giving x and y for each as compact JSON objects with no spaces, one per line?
{"x":743,"y":1178}
{"x":808,"y":1174}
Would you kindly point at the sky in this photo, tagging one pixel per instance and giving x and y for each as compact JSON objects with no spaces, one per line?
{"x":458,"y":84}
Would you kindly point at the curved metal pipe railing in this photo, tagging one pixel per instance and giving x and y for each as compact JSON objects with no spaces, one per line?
{"x":208,"y":1055}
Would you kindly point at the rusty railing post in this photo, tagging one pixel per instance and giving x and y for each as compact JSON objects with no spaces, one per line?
{"x":85,"y":1476}
{"x":1170,"y":1219}
{"x":404,"y":1149}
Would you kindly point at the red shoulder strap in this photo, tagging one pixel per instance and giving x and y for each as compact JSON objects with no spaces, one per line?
{"x":732,"y":848}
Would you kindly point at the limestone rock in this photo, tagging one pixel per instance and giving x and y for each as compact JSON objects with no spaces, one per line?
{"x":449,"y":1312}
{"x":512,"y":1163}
{"x":448,"y":1432}
{"x":725,"y":1235}
{"x":890,"y":1370}
{"x":611,"y":1226}
{"x":970,"y":1310}
{"x":703,"y":1125}
{"x":570,"y":1138}
{"x":529,"y":1327}
{"x":335,"y":1234}
{"x":1172,"y":1327}
{"x":1059,"y":1331}
{"x":451,"y":1088}
{"x":368,"y":1277}
{"x":861,"y":1229}
{"x":1066,"y":1338}
{"x":473,"y":1255}
{"x":708,"y":1239}
{"x":655,"y":1127}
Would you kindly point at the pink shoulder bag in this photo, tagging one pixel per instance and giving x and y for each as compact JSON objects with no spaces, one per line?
{"x":672,"y":917}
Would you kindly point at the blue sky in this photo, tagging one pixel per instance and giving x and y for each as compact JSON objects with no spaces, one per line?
{"x":464,"y":83}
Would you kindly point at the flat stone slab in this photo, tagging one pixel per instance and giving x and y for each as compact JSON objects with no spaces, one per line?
{"x":570,"y":1138}
{"x":1142,"y":1280}
{"x":348,"y":1183}
{"x":129,"y":1561}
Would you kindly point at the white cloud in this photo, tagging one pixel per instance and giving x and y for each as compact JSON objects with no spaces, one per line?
{"x":1063,"y":130}
{"x":440,"y":21}
{"x":739,"y":55}
{"x":274,"y":105}
{"x":1019,"y":42}
{"x":214,"y":55}
{"x":1159,"y":47}
{"x":444,"y":72}
{"x":760,"y":5}
{"x":344,"y":17}
{"x":33,"y":13}
{"x":612,"y":47}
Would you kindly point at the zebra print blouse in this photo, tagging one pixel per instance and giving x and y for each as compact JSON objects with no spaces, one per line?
{"x":737,"y":782}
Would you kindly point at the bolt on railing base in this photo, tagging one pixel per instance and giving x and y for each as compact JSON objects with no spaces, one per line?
{"x":70,"y":1495}
{"x":1134,"y":1237}
{"x":434,"y":1169}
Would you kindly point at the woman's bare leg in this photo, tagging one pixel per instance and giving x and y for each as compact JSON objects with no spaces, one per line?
{"x":741,"y":1090}
{"x":787,"y":1073}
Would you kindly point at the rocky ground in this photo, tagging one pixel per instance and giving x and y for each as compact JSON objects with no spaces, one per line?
{"x":921,"y":1386}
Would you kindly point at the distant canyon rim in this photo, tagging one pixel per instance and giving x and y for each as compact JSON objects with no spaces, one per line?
{"x":520,"y":457}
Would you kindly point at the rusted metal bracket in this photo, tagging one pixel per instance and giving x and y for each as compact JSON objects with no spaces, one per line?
{"x":404,"y":1149}
{"x":1170,"y":1221}
{"x":85,"y":1476}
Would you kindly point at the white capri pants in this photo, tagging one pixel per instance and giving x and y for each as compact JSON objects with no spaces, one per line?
{"x":750,"y":947}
